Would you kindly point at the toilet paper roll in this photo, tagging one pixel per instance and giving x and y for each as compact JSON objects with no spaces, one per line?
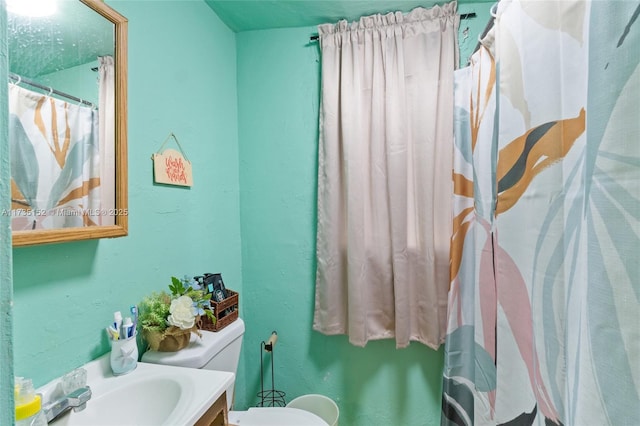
{"x":268,"y":346}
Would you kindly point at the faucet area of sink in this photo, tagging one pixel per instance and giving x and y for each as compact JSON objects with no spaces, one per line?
{"x":151,"y":394}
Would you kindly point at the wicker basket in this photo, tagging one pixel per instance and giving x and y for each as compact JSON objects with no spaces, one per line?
{"x":219,"y":309}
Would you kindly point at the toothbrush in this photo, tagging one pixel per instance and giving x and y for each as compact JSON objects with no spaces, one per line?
{"x":134,"y":314}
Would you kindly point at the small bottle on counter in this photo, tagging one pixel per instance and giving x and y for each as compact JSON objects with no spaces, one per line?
{"x":28,"y":404}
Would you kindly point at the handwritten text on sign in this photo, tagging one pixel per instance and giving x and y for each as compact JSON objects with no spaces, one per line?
{"x":172,"y":168}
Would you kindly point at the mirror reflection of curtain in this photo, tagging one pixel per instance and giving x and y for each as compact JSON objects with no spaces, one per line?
{"x":384,"y":162}
{"x":107,"y":137}
{"x":55,"y":161}
{"x":544,"y":306}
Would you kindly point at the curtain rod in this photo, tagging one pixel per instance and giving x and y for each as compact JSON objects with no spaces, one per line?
{"x":18,"y":79}
{"x":463,"y":16}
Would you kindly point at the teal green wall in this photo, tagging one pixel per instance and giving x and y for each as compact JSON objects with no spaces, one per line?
{"x":278,"y":92}
{"x":470,"y":29}
{"x":182,"y":79}
{"x":6,"y":291}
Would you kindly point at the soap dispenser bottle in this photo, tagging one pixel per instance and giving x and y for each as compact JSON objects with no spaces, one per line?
{"x":28,"y":404}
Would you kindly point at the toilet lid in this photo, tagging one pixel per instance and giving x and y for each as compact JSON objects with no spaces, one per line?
{"x":278,"y":416}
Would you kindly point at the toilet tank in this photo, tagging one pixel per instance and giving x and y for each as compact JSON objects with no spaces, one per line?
{"x":214,"y":351}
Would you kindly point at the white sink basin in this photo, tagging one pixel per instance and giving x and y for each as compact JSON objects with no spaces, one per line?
{"x":150,"y":395}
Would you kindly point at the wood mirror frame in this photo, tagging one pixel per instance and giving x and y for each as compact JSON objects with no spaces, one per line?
{"x":120,"y":228}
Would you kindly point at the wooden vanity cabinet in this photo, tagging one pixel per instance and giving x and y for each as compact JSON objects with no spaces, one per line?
{"x":217,"y":414}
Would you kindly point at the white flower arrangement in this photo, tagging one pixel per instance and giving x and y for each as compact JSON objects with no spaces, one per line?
{"x":176,"y":314}
{"x":182,"y":313}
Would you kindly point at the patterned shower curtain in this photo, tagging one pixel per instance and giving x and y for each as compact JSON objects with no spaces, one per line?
{"x":55,"y":163}
{"x":544,"y":302}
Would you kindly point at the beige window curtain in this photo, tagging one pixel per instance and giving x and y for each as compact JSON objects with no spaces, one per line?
{"x":384,"y":176}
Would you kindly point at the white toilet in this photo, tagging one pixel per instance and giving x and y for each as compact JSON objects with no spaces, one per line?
{"x":221,"y":351}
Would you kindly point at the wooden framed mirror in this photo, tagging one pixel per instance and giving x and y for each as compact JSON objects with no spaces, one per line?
{"x":68,"y":123}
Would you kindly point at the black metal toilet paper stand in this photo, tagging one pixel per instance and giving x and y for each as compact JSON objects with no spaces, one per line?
{"x":270,"y":397}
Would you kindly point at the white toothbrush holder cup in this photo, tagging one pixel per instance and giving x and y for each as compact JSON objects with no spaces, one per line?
{"x":124,"y":355}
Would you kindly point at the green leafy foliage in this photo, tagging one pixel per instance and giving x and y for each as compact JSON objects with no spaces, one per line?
{"x":210,"y":315}
{"x":154,"y":311}
{"x":177,"y":287}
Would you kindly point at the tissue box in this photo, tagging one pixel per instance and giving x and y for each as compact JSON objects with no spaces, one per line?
{"x":225,"y":313}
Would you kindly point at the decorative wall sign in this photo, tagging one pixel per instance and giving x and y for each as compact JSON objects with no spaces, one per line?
{"x":171,"y":167}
